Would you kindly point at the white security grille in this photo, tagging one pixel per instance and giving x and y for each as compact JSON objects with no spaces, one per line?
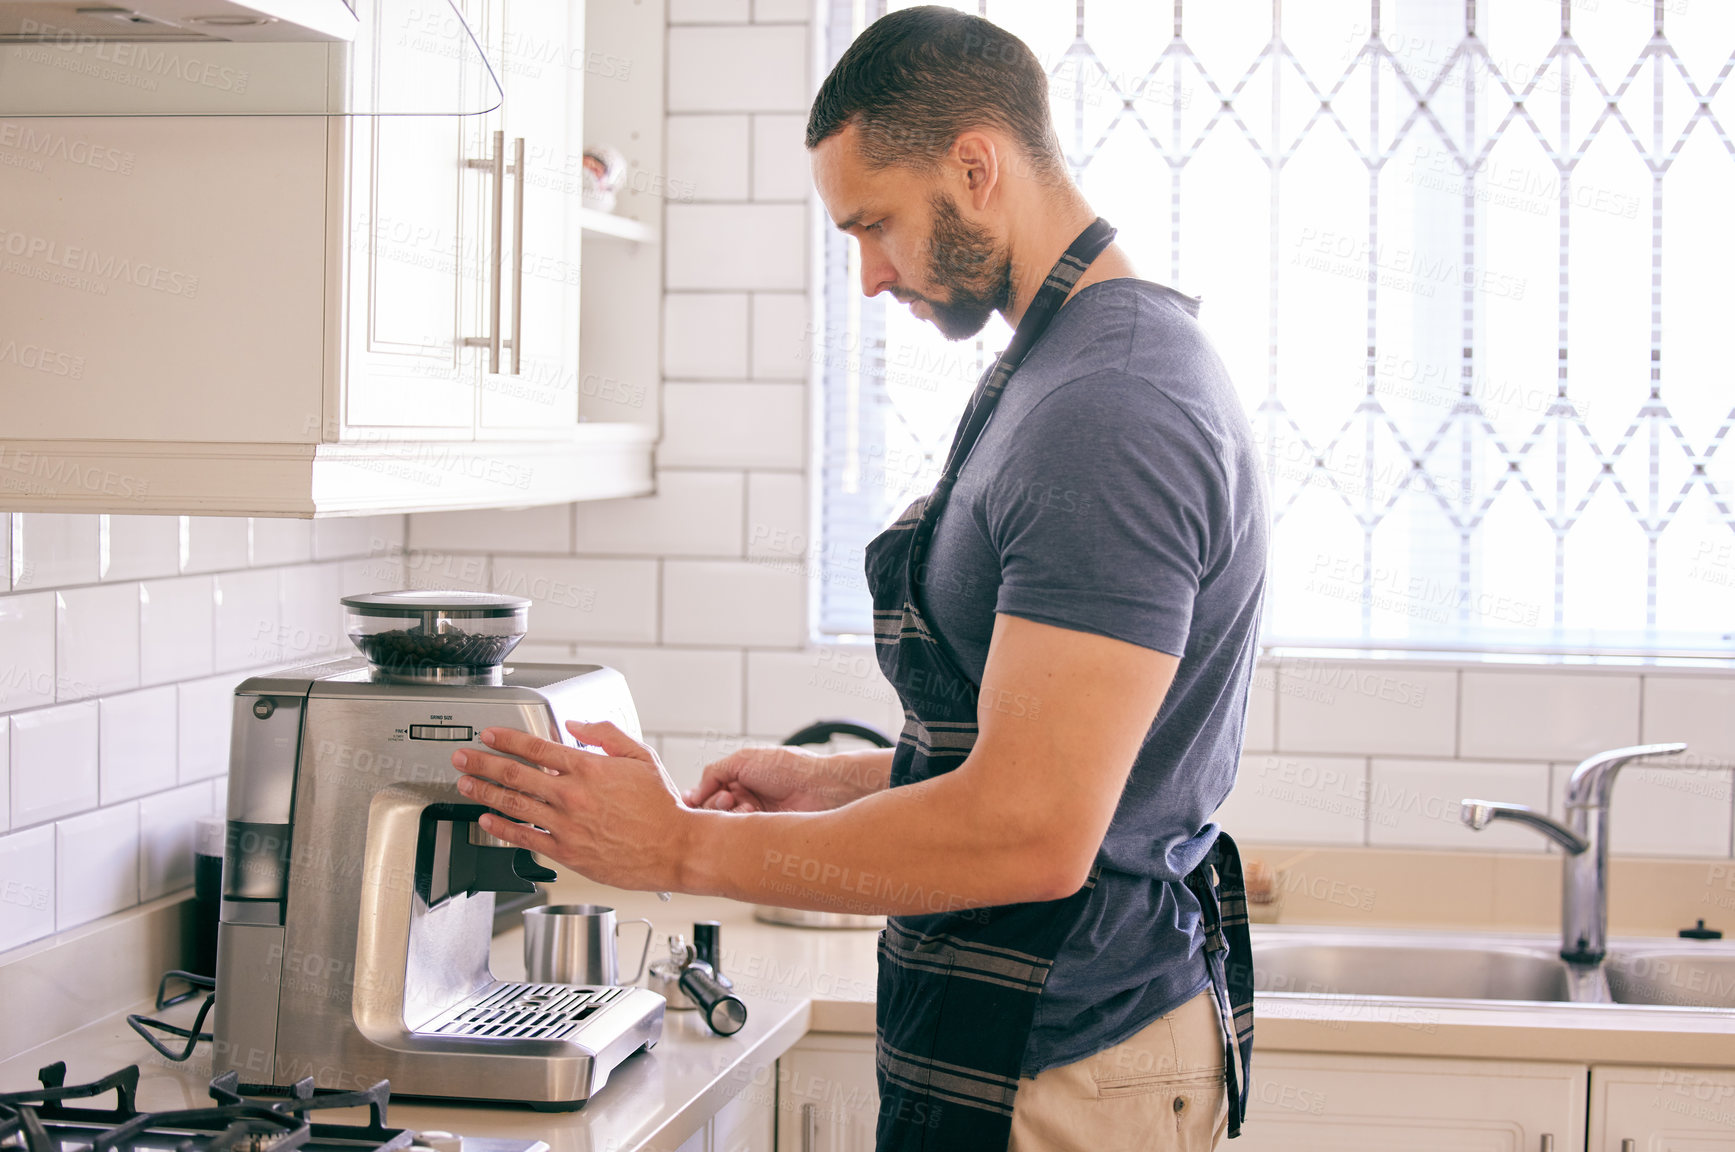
{"x":1469,"y":265}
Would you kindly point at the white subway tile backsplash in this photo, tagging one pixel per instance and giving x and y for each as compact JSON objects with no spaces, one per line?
{"x":677,"y":689}
{"x":547,"y":529}
{"x":96,"y":641}
{"x":176,"y":622}
{"x":735,"y":246}
{"x":54,"y":762}
{"x":53,"y":550}
{"x":604,"y":601}
{"x":710,"y":154}
{"x":96,"y":865}
{"x":26,"y":886}
{"x":438,"y":569}
{"x":140,"y":547}
{"x":778,"y":11}
{"x":348,"y":537}
{"x":777,"y":528}
{"x":136,"y":743}
{"x":311,"y":625}
{"x":5,"y":551}
{"x":167,"y":826}
{"x":692,"y":514}
{"x":5,"y":775}
{"x":204,"y":711}
{"x":1298,"y":800}
{"x":734,"y":425}
{"x":708,"y":11}
{"x":1698,"y":709}
{"x":786,"y":691}
{"x":249,"y":612}
{"x":1546,"y":715}
{"x":1667,"y":811}
{"x":279,"y":540}
{"x":742,"y":602}
{"x":782,"y":336}
{"x":1364,"y":707}
{"x":26,"y":650}
{"x":1416,"y":803}
{"x":705,"y":335}
{"x":743,"y":69}
{"x":375,"y":574}
{"x":214,"y":543}
{"x":780,"y":161}
{"x":1260,"y":734}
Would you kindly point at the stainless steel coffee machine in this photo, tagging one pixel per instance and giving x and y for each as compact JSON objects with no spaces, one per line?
{"x":358,"y":885}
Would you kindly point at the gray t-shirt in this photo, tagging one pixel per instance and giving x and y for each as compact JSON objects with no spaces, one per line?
{"x":1116,"y":490}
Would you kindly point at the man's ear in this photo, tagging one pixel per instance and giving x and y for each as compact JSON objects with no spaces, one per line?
{"x":976,"y":157}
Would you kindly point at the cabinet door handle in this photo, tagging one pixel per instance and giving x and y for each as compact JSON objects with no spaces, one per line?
{"x":809,"y":1128}
{"x":1629,"y":1146}
{"x":495,"y":165}
{"x":1547,"y":1142}
{"x":517,"y":170}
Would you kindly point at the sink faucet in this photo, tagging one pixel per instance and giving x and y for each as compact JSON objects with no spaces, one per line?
{"x":1584,"y":837}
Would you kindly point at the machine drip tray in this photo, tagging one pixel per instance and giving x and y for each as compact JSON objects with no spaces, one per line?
{"x":523,"y":1012}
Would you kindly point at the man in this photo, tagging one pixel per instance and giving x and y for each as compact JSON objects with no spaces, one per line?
{"x":1070,"y":621}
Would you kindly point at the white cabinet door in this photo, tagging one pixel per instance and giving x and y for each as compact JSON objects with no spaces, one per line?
{"x":1305,"y":1102}
{"x":162,"y":278}
{"x":1661,"y":1109}
{"x":827,"y":1097}
{"x":541,"y":60}
{"x":747,"y":1123}
{"x":413,"y":245}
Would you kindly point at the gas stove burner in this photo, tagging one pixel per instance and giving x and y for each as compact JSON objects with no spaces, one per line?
{"x":43,"y":1121}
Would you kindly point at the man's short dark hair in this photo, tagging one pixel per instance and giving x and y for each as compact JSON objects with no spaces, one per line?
{"x":917,"y":79}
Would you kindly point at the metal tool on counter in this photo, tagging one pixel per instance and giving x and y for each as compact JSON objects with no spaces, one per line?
{"x":359,"y":886}
{"x":687,"y":980}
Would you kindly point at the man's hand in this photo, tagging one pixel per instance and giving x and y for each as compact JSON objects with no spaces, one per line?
{"x":790,"y":779}
{"x":613,"y":816}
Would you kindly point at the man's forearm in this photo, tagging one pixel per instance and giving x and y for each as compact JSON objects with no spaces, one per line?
{"x":929,"y":847}
{"x":860,"y":773}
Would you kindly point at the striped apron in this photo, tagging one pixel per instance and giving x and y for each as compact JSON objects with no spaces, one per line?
{"x":958,"y":987}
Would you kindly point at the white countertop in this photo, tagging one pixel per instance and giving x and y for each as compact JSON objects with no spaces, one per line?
{"x":652,"y":1103}
{"x":796,"y":980}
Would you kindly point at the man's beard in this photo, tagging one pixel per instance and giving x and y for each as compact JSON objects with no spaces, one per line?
{"x":964,"y":260}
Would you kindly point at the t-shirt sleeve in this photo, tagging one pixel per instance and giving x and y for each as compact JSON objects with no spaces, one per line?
{"x":1101,"y":513}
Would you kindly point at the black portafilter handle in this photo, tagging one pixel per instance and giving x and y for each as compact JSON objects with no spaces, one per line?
{"x":723,"y":1011}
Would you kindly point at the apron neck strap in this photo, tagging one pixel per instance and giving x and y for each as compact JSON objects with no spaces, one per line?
{"x":1052,"y":293}
{"x":1079,"y":255}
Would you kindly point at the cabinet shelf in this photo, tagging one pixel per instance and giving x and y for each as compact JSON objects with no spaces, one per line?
{"x":595,"y":461}
{"x":598,"y":223}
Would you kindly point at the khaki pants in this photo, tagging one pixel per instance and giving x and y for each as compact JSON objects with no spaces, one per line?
{"x":1160,"y":1090}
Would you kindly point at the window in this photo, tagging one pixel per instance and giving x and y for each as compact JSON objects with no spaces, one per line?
{"x":1468,"y":264}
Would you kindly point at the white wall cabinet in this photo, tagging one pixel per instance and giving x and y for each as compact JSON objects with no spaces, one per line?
{"x":1661,"y":1109}
{"x":1305,"y":1102}
{"x":827,"y":1096}
{"x":298,"y":315}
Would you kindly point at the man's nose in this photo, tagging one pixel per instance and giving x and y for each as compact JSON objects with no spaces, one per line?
{"x":877,"y":273}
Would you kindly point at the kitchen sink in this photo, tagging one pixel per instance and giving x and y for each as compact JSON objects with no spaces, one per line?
{"x":1440,"y":969}
{"x":1673,"y":977}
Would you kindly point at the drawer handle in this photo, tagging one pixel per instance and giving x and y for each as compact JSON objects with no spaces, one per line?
{"x":1629,"y":1146}
{"x":809,"y":1127}
{"x":1547,"y":1142}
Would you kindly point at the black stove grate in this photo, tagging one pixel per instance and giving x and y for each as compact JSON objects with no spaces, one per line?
{"x":43,"y":1120}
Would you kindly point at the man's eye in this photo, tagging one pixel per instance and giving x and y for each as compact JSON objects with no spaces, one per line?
{"x":874,"y":227}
